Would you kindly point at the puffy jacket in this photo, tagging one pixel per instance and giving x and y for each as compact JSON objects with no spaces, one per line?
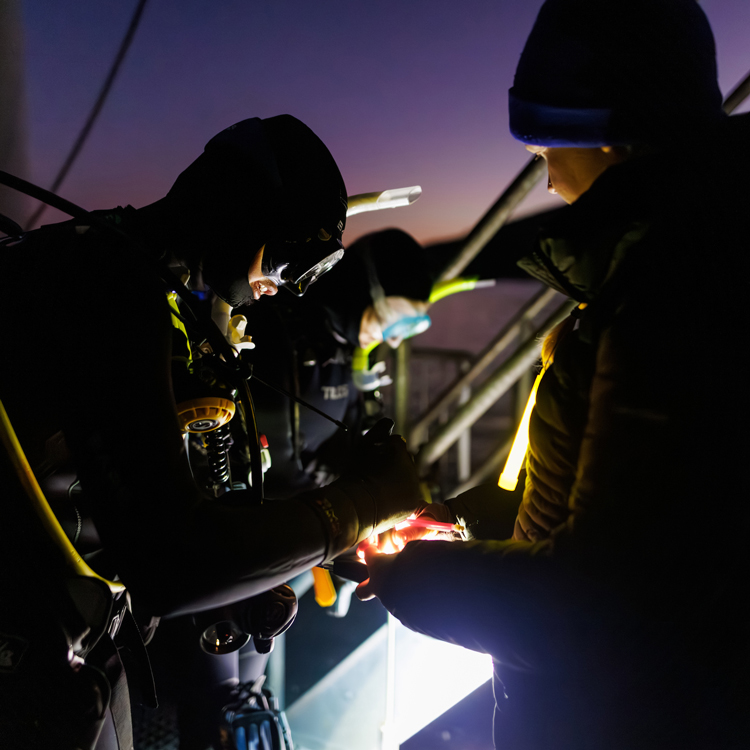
{"x":624,"y":623}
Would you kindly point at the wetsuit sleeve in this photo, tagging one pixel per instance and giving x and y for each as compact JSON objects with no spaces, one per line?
{"x":106,"y":369}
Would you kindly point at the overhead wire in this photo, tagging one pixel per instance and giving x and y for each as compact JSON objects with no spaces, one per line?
{"x":95,"y":110}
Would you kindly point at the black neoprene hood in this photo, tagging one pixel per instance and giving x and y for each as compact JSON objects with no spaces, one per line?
{"x":259,"y":183}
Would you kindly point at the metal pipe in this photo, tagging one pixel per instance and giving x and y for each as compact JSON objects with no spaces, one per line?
{"x":503,"y":339}
{"x":276,"y":670}
{"x":463,"y":458}
{"x":490,"y":391}
{"x":489,"y":225}
{"x":490,"y":465}
{"x":401,"y":388}
{"x":739,"y":94}
{"x":13,"y":110}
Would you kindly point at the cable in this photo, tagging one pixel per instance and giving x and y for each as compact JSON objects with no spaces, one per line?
{"x":98,"y":104}
{"x":298,"y":400}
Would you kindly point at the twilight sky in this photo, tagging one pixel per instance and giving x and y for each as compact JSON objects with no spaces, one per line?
{"x":403,"y":92}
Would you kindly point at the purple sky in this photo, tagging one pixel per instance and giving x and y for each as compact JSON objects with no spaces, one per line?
{"x":403,"y":93}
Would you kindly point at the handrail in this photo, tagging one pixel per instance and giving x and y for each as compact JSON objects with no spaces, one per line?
{"x":738,"y":95}
{"x":502,"y":340}
{"x":490,"y":391}
{"x":489,"y":225}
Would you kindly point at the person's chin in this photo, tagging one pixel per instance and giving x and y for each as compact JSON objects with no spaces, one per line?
{"x":263,"y":287}
{"x":272,"y":287}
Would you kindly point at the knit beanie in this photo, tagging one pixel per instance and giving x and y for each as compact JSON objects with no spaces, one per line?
{"x":614,"y":73}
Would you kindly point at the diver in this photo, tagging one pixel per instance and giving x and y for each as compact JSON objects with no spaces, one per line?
{"x":88,"y":335}
{"x":306,"y":346}
{"x":309,"y":345}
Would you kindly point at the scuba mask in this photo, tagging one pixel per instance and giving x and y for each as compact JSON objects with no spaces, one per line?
{"x":296,"y":265}
{"x":280,"y":171}
{"x":290,"y":265}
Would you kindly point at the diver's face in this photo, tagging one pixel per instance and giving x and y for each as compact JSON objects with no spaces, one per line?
{"x":572,"y":171}
{"x":259,"y":283}
{"x":370,"y":328}
{"x":374,"y":323}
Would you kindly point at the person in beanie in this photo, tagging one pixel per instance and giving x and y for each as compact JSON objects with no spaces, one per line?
{"x":615,"y":601}
{"x":90,"y":386}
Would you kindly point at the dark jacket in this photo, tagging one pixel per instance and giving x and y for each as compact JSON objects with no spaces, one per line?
{"x":626,"y":626}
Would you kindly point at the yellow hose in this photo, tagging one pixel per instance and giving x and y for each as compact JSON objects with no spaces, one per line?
{"x":41,"y":506}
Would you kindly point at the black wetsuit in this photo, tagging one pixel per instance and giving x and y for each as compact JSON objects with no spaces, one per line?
{"x":88,"y":340}
{"x":86,"y":380}
{"x":297,"y":350}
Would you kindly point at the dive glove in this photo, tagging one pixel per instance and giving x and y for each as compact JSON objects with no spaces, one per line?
{"x":380,"y":489}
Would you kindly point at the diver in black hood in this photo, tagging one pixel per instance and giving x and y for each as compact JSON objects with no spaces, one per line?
{"x":93,"y":406}
{"x":263,"y":207}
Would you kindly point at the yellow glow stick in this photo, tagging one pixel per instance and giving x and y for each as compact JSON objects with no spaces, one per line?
{"x":509,"y":476}
{"x":325,"y":591}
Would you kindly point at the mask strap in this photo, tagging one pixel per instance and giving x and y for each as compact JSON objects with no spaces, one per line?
{"x":377,"y":293}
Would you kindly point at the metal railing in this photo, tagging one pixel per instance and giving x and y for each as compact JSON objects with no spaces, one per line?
{"x":496,"y":386}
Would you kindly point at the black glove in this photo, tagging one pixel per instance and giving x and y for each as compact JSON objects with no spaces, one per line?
{"x":485,"y":512}
{"x":379,"y":489}
{"x":384,"y":467}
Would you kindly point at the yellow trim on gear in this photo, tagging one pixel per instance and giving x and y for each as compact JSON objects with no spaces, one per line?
{"x":325,"y":591}
{"x":445,"y":288}
{"x":360,"y":358}
{"x":41,"y":506}
{"x":212,"y":408}
{"x":176,"y":322}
